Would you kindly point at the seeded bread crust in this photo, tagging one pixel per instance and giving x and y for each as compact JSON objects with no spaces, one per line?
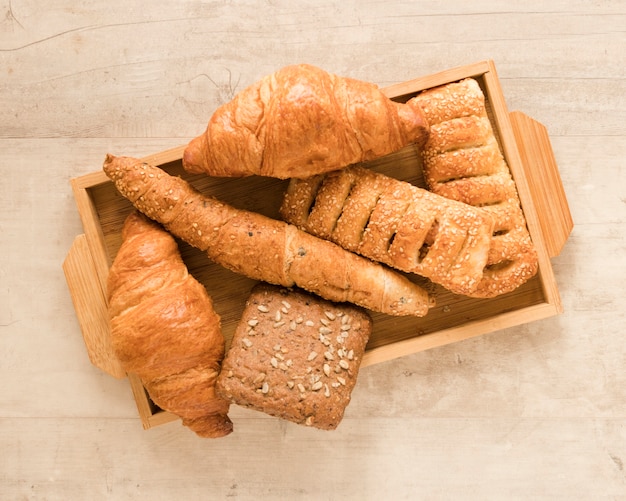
{"x":164,"y":328}
{"x":263,"y":248}
{"x":295,"y":356}
{"x":462,"y":161}
{"x":395,"y":223}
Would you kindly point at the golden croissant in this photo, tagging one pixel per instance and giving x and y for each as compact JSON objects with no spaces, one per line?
{"x":301,"y":121}
{"x":164,"y":328}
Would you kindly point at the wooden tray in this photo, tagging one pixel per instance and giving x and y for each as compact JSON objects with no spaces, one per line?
{"x":526,"y":146}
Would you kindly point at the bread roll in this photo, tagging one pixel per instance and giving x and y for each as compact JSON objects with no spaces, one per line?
{"x":295,"y":356}
{"x":263,"y":248}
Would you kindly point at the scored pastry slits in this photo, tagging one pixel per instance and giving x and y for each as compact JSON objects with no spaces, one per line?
{"x":462,"y":161}
{"x":395,"y":223}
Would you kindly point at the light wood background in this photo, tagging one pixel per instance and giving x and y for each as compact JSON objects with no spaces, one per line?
{"x":534,"y":412}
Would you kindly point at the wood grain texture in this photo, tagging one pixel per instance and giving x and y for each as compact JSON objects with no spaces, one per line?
{"x":544,"y":181}
{"x":532,"y":412}
{"x":90,"y":305}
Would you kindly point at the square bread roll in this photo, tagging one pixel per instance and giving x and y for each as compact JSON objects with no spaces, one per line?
{"x":295,"y":356}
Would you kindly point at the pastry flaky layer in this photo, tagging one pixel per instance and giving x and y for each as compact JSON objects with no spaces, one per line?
{"x":164,"y":328}
{"x":462,"y":161}
{"x":301,"y":121}
{"x":295,"y":356}
{"x":263,"y":248}
{"x":394,"y":222}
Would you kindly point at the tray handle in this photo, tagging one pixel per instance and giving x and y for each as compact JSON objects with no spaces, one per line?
{"x":90,"y":305}
{"x":544,"y":181}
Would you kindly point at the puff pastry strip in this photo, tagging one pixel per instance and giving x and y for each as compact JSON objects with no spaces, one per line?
{"x":462,"y":161}
{"x":395,"y":223}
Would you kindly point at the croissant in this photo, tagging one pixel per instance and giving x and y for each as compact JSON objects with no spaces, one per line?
{"x":462,"y":161}
{"x":263,"y":248}
{"x":394,"y":222}
{"x":164,"y":328}
{"x":302,"y":121}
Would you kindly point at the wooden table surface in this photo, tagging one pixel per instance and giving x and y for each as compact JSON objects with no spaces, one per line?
{"x":532,"y":412}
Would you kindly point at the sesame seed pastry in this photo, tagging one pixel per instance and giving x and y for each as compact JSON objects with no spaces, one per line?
{"x":394,"y":222}
{"x":164,"y":328}
{"x":263,"y":248}
{"x":295,"y":356}
{"x":301,"y":121}
{"x":462,"y":161}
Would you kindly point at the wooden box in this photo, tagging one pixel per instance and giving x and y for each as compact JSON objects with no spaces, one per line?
{"x":527,"y":149}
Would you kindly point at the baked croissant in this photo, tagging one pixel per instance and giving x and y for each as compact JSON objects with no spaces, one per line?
{"x":302,"y":121}
{"x":263,"y":248}
{"x":164,"y":328}
{"x":394,"y":222}
{"x":462,"y":161}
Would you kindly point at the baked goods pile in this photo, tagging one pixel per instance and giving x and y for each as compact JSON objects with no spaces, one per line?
{"x":349,"y":242}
